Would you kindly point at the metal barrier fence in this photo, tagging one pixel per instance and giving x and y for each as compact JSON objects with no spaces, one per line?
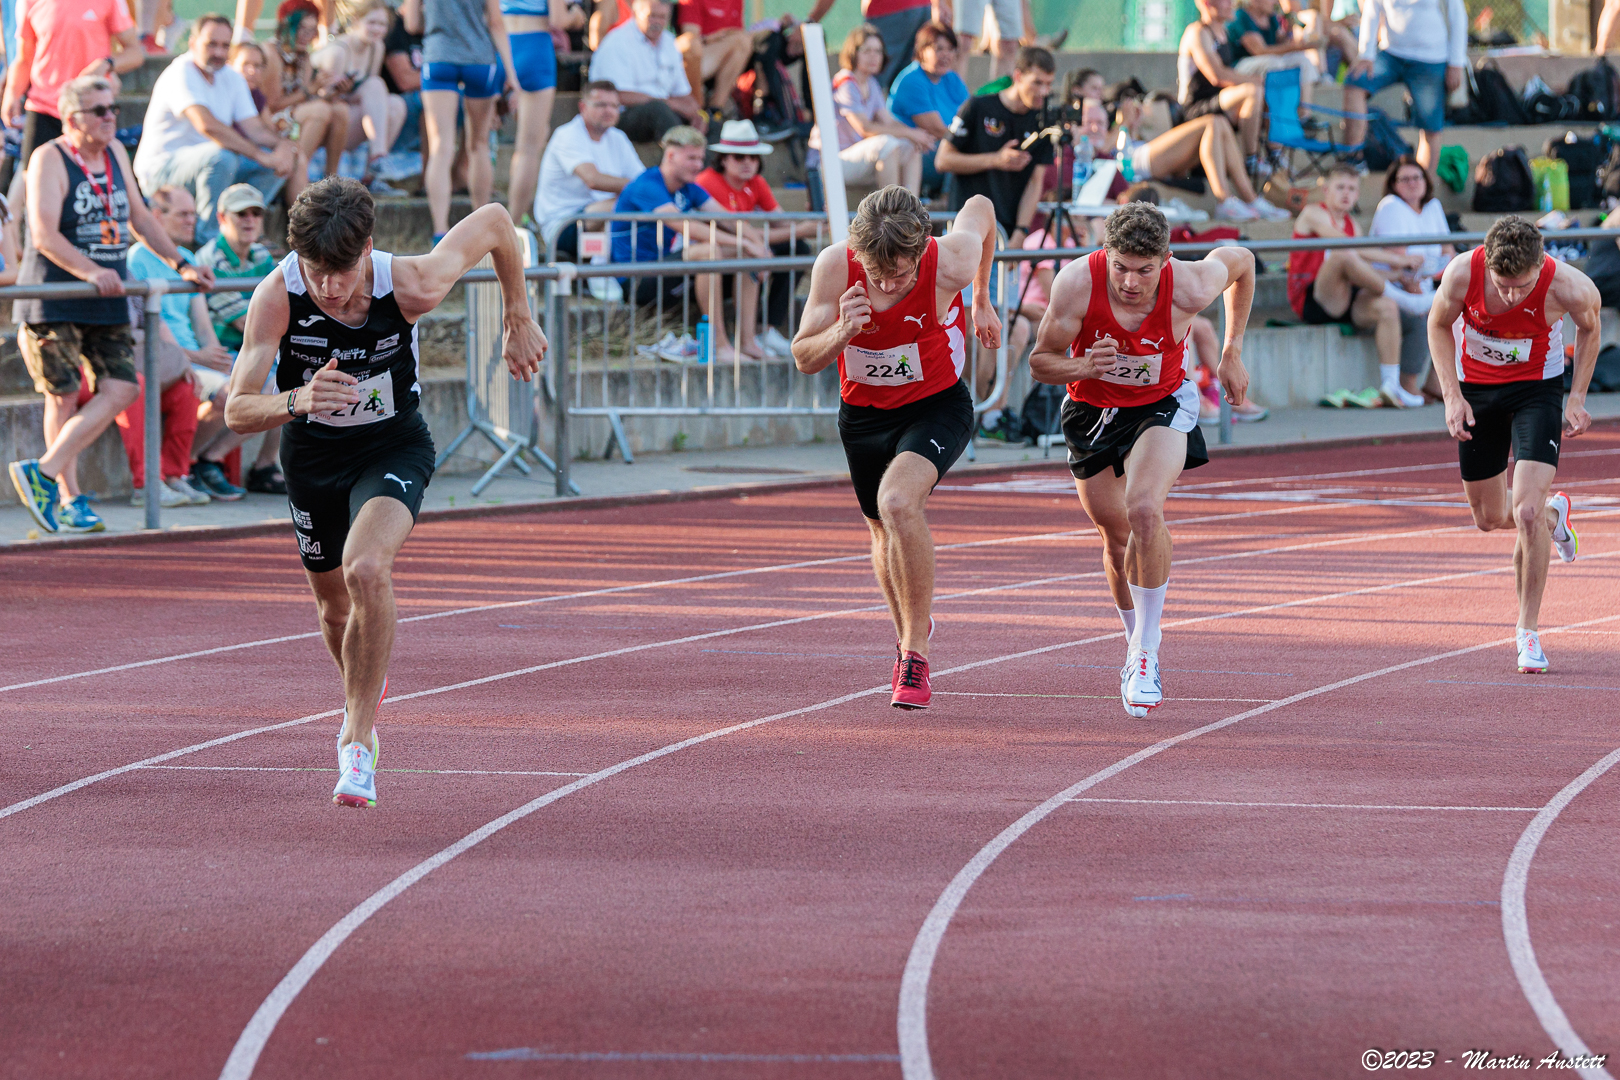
{"x":514,"y":423}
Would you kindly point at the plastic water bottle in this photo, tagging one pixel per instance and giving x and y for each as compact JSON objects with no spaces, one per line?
{"x":1083,"y":157}
{"x":1544,"y":196}
{"x":703,"y":339}
{"x":1122,"y":155}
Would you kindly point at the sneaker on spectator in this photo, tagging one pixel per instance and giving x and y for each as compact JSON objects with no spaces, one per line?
{"x":36,"y":490}
{"x":1269,"y":210}
{"x":382,"y":189}
{"x":167,"y":497}
{"x":670,"y":340}
{"x":209,"y":476}
{"x":775,"y":344}
{"x":1233,"y":208}
{"x":180,"y":486}
{"x":683,"y":350}
{"x":1399,"y":396}
{"x":76,"y":516}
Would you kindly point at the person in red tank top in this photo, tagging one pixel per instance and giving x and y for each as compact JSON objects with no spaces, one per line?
{"x":1116,"y":333}
{"x":1496,"y":340}
{"x":886,"y":307}
{"x":1341,"y":286}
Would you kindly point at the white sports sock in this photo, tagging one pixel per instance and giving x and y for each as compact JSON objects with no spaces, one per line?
{"x":1128,"y":617}
{"x":1389,"y":374}
{"x":1146,"y":635}
{"x":990,"y":419}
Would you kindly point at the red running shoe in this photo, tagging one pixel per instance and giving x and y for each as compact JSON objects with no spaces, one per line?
{"x":900,"y":654}
{"x":911,"y":687}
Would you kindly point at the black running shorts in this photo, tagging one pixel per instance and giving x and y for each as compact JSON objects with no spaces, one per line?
{"x":938,"y":427}
{"x":329,"y":480}
{"x":1527,"y":416}
{"x":1100,"y":438}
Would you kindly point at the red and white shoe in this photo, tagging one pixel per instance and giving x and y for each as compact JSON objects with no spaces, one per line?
{"x":911,"y":689}
{"x":900,"y":654}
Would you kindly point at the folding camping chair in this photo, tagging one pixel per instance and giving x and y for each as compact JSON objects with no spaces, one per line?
{"x":1282,"y":108}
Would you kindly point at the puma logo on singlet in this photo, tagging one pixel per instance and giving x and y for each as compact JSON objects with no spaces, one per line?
{"x":914,"y":318}
{"x":1150,"y":341}
{"x":404,"y":485}
{"x":311,"y":321}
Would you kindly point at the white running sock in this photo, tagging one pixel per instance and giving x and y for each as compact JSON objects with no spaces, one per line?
{"x":1146,"y":636}
{"x":1128,"y":617}
{"x":990,"y":419}
{"x":1389,"y":374}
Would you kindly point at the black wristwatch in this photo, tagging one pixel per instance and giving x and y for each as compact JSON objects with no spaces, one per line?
{"x":291,"y":395}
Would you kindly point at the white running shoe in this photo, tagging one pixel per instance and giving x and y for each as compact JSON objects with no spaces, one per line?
{"x":1269,"y":210}
{"x":775,"y":344}
{"x":376,"y":740}
{"x":1400,"y":397}
{"x":193,"y":496}
{"x":1568,"y":544}
{"x":357,"y":777}
{"x":1532,"y":661}
{"x":1233,"y":208}
{"x":1139,"y":686}
{"x":167,"y":497}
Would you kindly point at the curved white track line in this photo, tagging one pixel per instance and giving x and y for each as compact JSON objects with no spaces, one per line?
{"x":1516,"y":926}
{"x":915,"y":1061}
{"x":611,"y":590}
{"x":75,"y":785}
{"x":251,"y":1043}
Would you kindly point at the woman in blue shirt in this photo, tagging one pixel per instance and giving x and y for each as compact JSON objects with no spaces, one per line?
{"x":928,"y":92}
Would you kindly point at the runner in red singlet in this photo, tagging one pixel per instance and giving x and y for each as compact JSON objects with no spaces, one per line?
{"x":886,"y":306}
{"x":1496,"y":337}
{"x":1116,"y":331}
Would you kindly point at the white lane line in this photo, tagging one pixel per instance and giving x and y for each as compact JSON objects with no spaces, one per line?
{"x":915,"y":1061}
{"x":617,"y":589}
{"x":245,"y":1054}
{"x":1516,"y":925}
{"x":1305,"y":805}
{"x":108,"y":774}
{"x":312,"y":768}
{"x":1096,"y":697}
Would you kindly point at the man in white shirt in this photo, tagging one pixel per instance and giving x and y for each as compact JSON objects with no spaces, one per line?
{"x":586,"y":164}
{"x":643,"y":61}
{"x":1422,"y":44}
{"x":202,"y":132}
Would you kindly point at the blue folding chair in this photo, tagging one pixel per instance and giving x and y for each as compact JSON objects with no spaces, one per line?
{"x":1282,"y":108}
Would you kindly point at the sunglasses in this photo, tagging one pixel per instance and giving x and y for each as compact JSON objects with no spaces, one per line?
{"x":101,"y":112}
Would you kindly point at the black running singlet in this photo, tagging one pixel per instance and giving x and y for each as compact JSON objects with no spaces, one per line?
{"x":381,"y":353}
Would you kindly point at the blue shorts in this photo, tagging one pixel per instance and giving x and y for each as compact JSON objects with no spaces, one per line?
{"x":1427,"y":83}
{"x":535,"y":57}
{"x":469,"y":80}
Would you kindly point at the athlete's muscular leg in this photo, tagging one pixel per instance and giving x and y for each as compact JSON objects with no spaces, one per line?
{"x":908,"y":546}
{"x":332,"y":605}
{"x":1523,"y":506}
{"x":1103,"y":497}
{"x":378,"y":532}
{"x":1155,"y":461}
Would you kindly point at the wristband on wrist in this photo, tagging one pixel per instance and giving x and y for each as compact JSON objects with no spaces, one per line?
{"x":291,"y":396}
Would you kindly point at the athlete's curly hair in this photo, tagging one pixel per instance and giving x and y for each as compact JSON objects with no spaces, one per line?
{"x":1139,"y":229}
{"x":1512,"y":247}
{"x":890,"y":224}
{"x":331,"y":222}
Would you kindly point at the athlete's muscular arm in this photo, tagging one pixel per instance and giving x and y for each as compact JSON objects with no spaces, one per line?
{"x":1228,"y":272}
{"x":833,"y":314}
{"x":1050,"y":361}
{"x":1574,"y":292}
{"x":247,"y":409}
{"x":421,"y":282}
{"x":1447,"y":309}
{"x":967,"y":254}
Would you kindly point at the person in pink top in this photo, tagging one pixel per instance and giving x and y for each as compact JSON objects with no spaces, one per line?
{"x":59,"y":40}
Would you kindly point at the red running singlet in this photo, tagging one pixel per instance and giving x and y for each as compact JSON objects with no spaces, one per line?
{"x":1145,"y":370}
{"x":906,"y":353}
{"x":1303,"y":266}
{"x":1516,"y":345}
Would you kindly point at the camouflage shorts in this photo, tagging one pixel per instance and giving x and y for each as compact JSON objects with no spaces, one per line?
{"x":54,"y":352}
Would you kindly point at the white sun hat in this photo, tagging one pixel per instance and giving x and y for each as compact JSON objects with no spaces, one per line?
{"x":739,"y":137}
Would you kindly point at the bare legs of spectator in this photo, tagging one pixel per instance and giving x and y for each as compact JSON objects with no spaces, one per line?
{"x":1244,"y":105}
{"x":1343,"y":271}
{"x":322,"y":123}
{"x":439,"y":116}
{"x":1003,"y":50}
{"x":356,"y":607}
{"x":214,"y":441}
{"x":721,"y":56}
{"x":534,"y":130}
{"x":708,"y":288}
{"x":375,"y":118}
{"x":77,"y":428}
{"x":1209,"y":141}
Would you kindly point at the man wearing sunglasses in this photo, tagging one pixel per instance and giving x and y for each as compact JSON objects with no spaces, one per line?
{"x":80,"y":214}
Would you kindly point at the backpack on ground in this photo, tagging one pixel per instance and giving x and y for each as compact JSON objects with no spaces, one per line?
{"x":1491,"y":100}
{"x":1598,"y":90}
{"x":1503,"y":183}
{"x":1043,"y":410}
{"x":1384,"y":145}
{"x":1584,"y":157}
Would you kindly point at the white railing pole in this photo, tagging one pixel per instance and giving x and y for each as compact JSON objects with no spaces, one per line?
{"x":832,"y":166}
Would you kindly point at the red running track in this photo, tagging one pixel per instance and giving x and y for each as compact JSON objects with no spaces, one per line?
{"x":721,"y":854}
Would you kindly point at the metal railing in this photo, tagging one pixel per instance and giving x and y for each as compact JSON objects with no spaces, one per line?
{"x":560,"y":281}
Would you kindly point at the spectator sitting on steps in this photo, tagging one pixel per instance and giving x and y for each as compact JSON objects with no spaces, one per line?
{"x":1409,"y":208}
{"x":715,"y":46}
{"x":1342,"y":286}
{"x":927,"y":93}
{"x":203,"y":132}
{"x":586,"y":164}
{"x":352,"y":65}
{"x":875,"y":148}
{"x":642,"y":60}
{"x":1208,"y":83}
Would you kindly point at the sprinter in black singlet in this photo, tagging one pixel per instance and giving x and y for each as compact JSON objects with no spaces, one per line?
{"x":337,"y":321}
